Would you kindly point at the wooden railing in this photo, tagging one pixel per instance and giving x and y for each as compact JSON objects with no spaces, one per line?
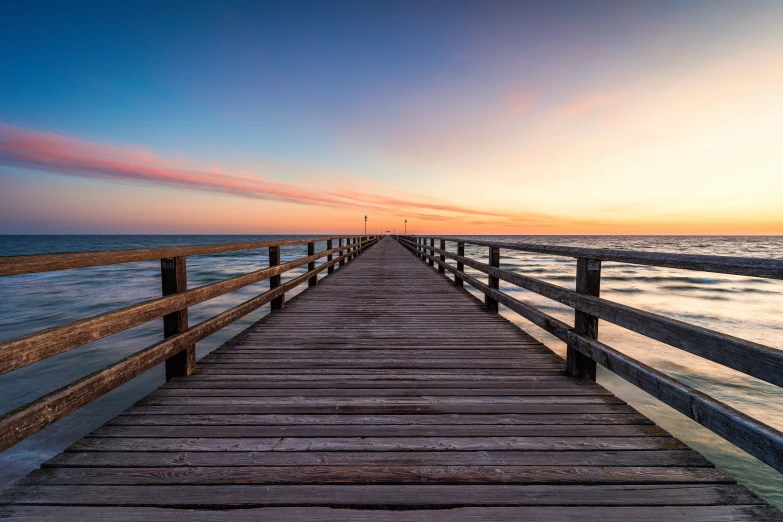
{"x":584,"y":350}
{"x":177,"y":349}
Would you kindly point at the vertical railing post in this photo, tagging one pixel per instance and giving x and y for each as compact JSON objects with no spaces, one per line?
{"x":329,"y":270}
{"x":494,"y":260}
{"x":432,"y":252}
{"x":340,"y":244}
{"x":278,"y":303}
{"x":441,"y":268}
{"x":460,"y":265}
{"x":588,"y":281}
{"x":174,"y":279}
{"x":311,"y":265}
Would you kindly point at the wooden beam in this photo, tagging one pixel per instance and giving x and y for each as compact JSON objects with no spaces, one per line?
{"x":329,"y":257}
{"x":36,"y":415}
{"x":494,"y":260}
{"x":311,"y":265}
{"x":748,"y":266}
{"x":27,"y":349}
{"x":757,"y":360}
{"x":588,"y":282}
{"x":460,"y":265}
{"x":274,"y":259}
{"x":173,"y":272}
{"x":31,"y":264}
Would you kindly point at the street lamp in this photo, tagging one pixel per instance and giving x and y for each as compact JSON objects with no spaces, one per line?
{"x":406,"y":227}
{"x":365,"y":225}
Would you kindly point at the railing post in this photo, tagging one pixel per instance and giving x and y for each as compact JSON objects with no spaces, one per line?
{"x":460,"y":265}
{"x":278,"y":303}
{"x":494,"y":260}
{"x":311,"y":265}
{"x":173,"y":275}
{"x":588,"y":281}
{"x":432,"y":253}
{"x":329,"y":270}
{"x":441,"y":268}
{"x":340,"y":244}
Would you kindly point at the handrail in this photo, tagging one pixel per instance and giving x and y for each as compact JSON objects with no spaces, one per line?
{"x":27,"y":349}
{"x":760,"y":440}
{"x":757,"y":360}
{"x":747,"y":266}
{"x":36,"y":263}
{"x":36,"y":415}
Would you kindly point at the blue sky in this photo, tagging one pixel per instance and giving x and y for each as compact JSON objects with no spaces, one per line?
{"x":418,"y":99}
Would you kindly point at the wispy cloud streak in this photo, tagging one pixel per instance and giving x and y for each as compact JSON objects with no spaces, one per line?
{"x":74,"y":157}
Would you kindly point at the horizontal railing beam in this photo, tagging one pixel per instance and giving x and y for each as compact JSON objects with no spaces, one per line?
{"x":35,"y":263}
{"x":36,"y":415}
{"x":746,"y":266}
{"x":758,"y":439}
{"x":754,"y":359}
{"x":22,"y":351}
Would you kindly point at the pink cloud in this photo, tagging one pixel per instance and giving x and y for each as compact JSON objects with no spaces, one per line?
{"x":588,"y":102}
{"x":74,"y":157}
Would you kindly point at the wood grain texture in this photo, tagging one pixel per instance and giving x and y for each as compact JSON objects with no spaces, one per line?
{"x":588,"y":281}
{"x":367,"y":393}
{"x":726,"y":513}
{"x":174,"y":280}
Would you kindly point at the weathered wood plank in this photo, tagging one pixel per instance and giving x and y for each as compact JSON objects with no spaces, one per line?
{"x":378,"y":444}
{"x":130,"y":419}
{"x":361,"y":430}
{"x":420,"y":474}
{"x":211,"y":497}
{"x":333,"y":514}
{"x":105,"y":459}
{"x":174,"y":280}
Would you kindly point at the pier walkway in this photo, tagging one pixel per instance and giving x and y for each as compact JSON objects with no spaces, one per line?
{"x":383,"y":393}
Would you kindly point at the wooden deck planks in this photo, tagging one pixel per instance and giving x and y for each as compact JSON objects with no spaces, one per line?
{"x":383,"y":387}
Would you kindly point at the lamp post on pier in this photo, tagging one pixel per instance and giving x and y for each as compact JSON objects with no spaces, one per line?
{"x":406,"y":227}
{"x":365,"y":225}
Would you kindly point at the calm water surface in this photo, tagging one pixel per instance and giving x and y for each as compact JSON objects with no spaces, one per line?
{"x":749,"y":308}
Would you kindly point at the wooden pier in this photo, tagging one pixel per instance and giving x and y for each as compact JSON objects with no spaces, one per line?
{"x":383,"y":392}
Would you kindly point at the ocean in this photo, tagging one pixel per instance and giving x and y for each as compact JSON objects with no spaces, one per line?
{"x":749,"y":308}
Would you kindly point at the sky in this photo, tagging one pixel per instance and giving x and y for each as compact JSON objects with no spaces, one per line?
{"x":484,"y":117}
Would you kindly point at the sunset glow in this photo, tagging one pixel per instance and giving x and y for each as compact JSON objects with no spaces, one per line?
{"x":491,"y":117}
